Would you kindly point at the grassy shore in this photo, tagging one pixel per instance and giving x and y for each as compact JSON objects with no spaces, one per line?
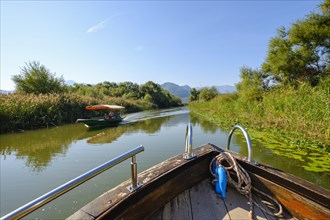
{"x":291,"y":122}
{"x":29,"y":111}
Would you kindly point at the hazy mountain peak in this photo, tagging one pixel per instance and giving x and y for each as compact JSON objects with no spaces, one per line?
{"x":70,"y":82}
{"x":184,"y":91}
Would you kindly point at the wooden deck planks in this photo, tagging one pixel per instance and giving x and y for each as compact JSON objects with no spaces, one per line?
{"x":201,"y":202}
{"x":178,"y":208}
{"x":205,"y":203}
{"x":238,"y":207}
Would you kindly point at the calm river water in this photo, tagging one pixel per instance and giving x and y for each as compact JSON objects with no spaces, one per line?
{"x":35,"y":162}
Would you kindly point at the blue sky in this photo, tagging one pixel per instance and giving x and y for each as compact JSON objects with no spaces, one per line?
{"x":195,"y":43}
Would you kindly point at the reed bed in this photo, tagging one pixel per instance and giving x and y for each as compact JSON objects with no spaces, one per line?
{"x":29,"y":111}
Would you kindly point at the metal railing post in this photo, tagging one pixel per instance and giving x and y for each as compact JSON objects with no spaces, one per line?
{"x":188,"y":154}
{"x":134,"y":185}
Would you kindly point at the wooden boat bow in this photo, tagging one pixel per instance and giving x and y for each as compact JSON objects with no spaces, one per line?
{"x":163,"y":182}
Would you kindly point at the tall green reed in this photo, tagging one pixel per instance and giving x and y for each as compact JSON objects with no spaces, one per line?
{"x":29,"y":111}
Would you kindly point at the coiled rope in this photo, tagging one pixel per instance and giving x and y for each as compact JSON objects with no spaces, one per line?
{"x":243,"y":184}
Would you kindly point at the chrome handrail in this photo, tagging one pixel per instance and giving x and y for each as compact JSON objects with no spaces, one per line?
{"x":188,"y":154}
{"x":247,"y":137}
{"x":53,"y":194}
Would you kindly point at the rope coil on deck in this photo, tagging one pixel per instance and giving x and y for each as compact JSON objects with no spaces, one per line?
{"x":243,"y":184}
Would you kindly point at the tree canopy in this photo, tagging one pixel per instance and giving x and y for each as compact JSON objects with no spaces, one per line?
{"x":194,"y":94}
{"x":252,"y":84}
{"x":205,"y":94}
{"x":208,"y":93}
{"x":36,"y":78}
{"x":301,"y":54}
{"x":150,"y":91}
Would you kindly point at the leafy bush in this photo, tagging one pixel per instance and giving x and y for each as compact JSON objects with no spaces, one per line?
{"x":204,"y":94}
{"x":208,"y":93}
{"x":36,"y":78}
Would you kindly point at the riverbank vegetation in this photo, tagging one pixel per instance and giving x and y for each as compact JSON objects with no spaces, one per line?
{"x":292,"y":122}
{"x":42,"y":99}
{"x":285,"y":103}
{"x":302,"y":114}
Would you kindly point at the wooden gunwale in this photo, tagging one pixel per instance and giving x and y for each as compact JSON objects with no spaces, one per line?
{"x":290,"y":182}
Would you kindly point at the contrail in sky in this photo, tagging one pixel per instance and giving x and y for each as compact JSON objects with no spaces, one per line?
{"x":100,"y":25}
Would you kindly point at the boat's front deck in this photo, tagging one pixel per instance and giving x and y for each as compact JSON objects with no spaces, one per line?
{"x":201,"y":202}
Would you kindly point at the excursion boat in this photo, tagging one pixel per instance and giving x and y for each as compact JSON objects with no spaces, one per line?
{"x":111,"y":116}
{"x":203,"y":183}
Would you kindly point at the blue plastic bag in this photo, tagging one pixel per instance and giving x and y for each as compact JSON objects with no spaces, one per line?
{"x":221,"y":183}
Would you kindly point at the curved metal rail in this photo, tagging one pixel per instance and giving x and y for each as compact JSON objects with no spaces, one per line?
{"x":48,"y":197}
{"x":247,"y":138}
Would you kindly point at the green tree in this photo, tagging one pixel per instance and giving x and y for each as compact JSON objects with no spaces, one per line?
{"x":158,"y":96}
{"x":252,"y":84}
{"x":36,"y":78}
{"x":130,"y":90}
{"x":208,"y":93}
{"x":194,"y":95}
{"x":154,"y":91}
{"x":325,"y":7}
{"x":301,"y":54}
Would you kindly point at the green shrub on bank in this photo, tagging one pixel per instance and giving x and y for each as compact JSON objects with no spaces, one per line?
{"x":29,"y":111}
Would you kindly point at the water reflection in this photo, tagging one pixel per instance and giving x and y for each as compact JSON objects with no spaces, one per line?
{"x":111,"y":134}
{"x":206,"y":125}
{"x":38,"y":147}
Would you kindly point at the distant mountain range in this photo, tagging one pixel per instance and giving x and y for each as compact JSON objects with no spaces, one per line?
{"x":184,"y":91}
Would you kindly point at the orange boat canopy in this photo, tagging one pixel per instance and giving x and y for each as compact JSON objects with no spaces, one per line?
{"x":108,"y":107}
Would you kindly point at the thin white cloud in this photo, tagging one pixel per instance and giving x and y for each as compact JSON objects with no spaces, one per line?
{"x":100,"y":25}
